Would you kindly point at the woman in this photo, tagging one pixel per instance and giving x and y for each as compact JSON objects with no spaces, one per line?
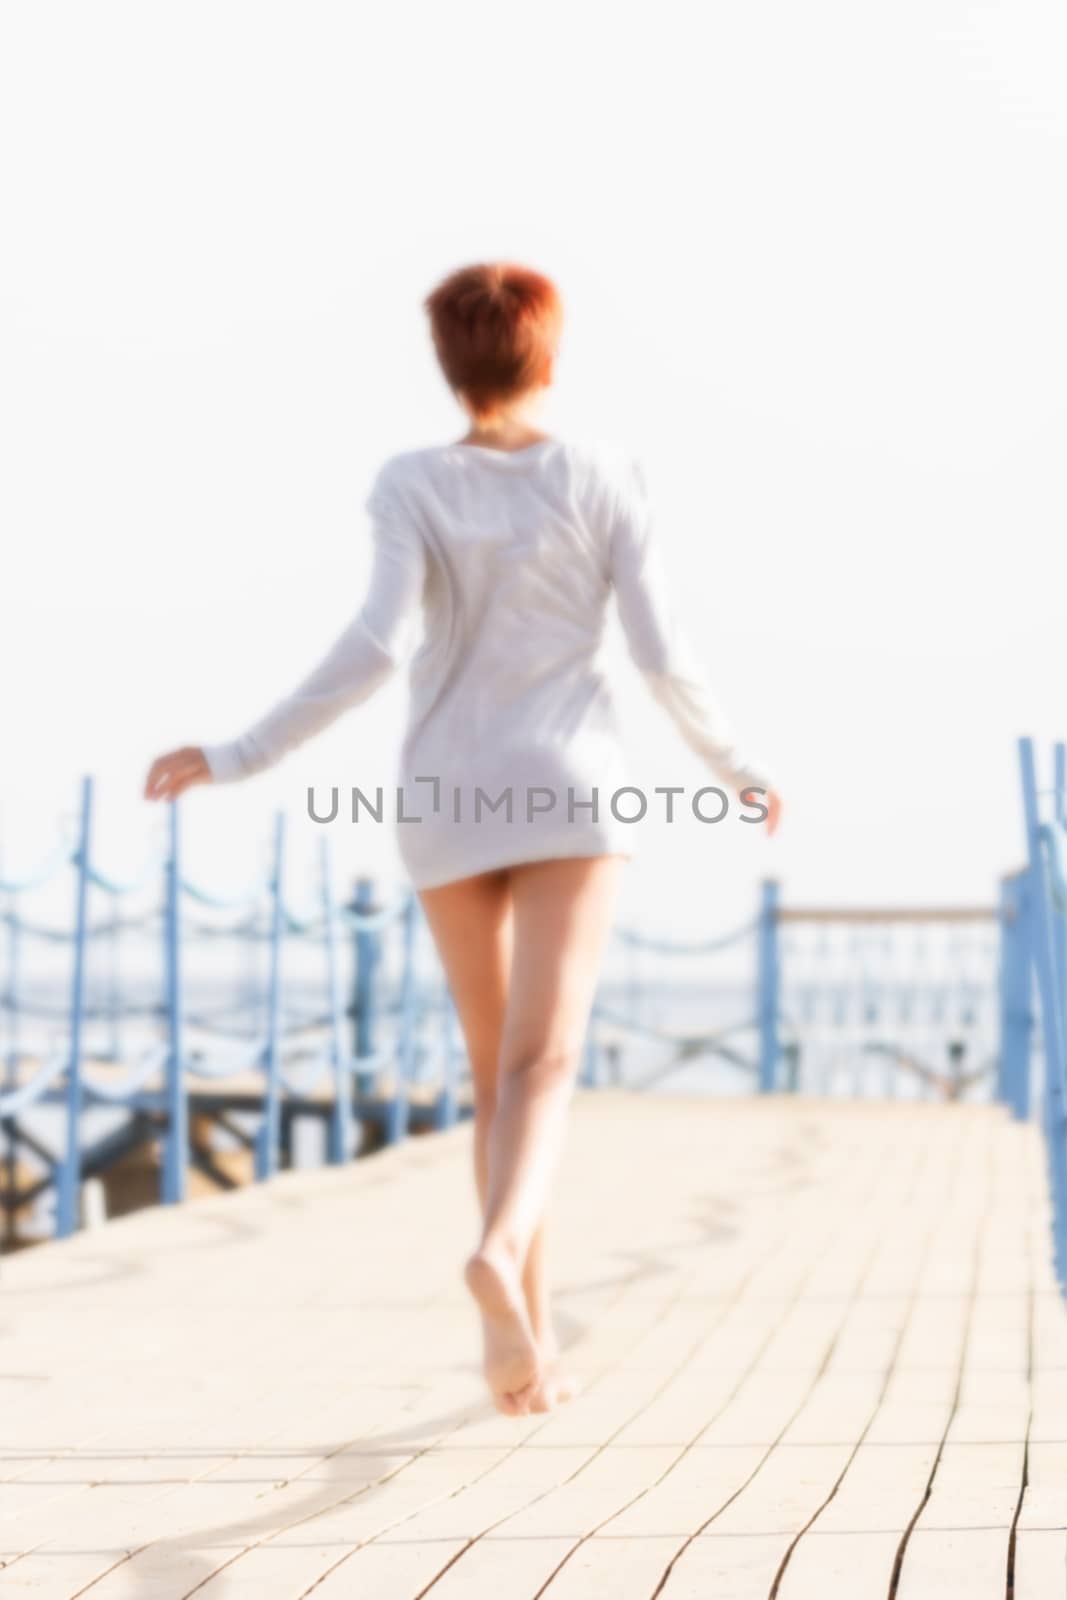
{"x":511,"y":542}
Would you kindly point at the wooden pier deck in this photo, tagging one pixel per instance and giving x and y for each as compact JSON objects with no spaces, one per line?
{"x":821,"y":1352}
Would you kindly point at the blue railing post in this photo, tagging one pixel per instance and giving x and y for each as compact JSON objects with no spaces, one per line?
{"x":768,"y":980}
{"x":590,"y":1076}
{"x":447,"y":1109}
{"x":368,"y":961}
{"x":12,"y":1054}
{"x":68,"y":1176}
{"x":176,"y":1142}
{"x":268,"y":1137}
{"x":397,"y":1112}
{"x":1016,"y":1020}
{"x":1045,"y":948}
{"x":114,"y":986}
{"x":11,"y":994}
{"x":1057,"y":1102}
{"x":340,"y":1137}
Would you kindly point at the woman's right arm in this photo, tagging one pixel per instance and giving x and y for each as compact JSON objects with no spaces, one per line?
{"x":364,"y":655}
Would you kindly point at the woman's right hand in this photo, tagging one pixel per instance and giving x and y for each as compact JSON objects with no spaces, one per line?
{"x":171,"y":774}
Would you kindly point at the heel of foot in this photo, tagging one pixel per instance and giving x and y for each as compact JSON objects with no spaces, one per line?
{"x":511,"y":1363}
{"x":494,"y":1283}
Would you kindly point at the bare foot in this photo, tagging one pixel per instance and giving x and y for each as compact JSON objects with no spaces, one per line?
{"x":556,"y":1386}
{"x":553,"y":1390}
{"x":512,"y":1361}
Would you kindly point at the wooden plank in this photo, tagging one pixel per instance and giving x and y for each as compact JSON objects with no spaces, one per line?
{"x":610,"y":1481}
{"x":729,"y":1568}
{"x":969,"y":1564}
{"x":788,"y":1489}
{"x":1041,"y":1564}
{"x":976,"y":1486}
{"x":1045,"y":1503}
{"x":492,"y":1568}
{"x":622,"y":1569}
{"x":474,"y":1508}
{"x":699,"y":1484}
{"x":389,"y":1571}
{"x":880,"y":1490}
{"x":827,"y":1564}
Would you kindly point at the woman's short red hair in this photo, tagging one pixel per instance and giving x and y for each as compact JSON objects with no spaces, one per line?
{"x":494,"y":327}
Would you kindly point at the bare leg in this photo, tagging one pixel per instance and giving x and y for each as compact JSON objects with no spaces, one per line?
{"x":471,"y":923}
{"x":561,"y":912}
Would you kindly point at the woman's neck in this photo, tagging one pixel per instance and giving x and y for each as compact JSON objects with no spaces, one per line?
{"x":505,"y":433}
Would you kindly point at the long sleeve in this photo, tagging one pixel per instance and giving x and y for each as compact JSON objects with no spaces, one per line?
{"x":364,"y":655}
{"x":658,"y":643}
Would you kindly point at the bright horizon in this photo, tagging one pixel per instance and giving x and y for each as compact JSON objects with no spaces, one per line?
{"x":813,"y":277}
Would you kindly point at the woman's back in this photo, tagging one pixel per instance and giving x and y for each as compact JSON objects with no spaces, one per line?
{"x":509,"y":552}
{"x":511,"y":549}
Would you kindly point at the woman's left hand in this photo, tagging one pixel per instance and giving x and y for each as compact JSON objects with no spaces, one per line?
{"x":171,"y":774}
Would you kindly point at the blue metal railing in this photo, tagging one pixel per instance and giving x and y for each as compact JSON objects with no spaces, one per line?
{"x":910,"y":990}
{"x":883,"y":997}
{"x":709,"y":1040}
{"x":159,"y":1086}
{"x":362,"y":1049}
{"x":769,"y":1005}
{"x":1036,"y":957}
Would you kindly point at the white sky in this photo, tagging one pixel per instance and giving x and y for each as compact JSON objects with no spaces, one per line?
{"x":813,"y":259}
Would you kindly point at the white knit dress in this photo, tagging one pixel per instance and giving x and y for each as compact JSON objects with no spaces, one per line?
{"x":513,"y":751}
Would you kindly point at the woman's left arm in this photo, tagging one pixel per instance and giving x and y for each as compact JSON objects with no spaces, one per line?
{"x":360,"y":660}
{"x":661,"y":647}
